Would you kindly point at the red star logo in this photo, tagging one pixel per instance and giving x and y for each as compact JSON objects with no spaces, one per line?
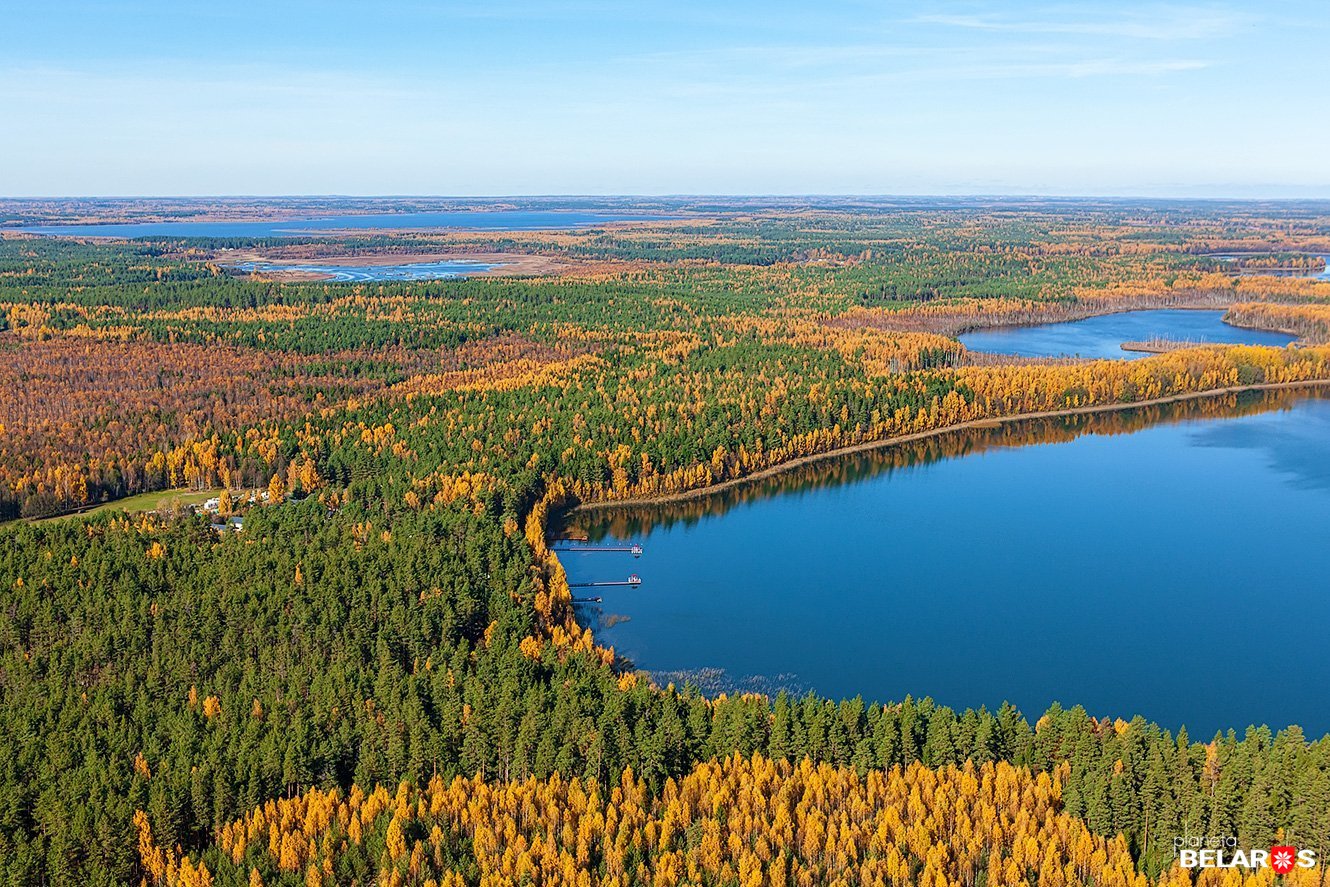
{"x":1283,"y":859}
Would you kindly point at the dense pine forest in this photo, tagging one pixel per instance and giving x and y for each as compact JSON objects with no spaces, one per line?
{"x":382,"y":679}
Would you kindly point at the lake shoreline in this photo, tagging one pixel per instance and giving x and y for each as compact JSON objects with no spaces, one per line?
{"x":866,"y":446}
{"x":501,"y":264}
{"x":1222,"y":309}
{"x":1222,"y":305}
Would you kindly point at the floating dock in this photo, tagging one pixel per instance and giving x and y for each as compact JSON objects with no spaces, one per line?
{"x":634,"y":580}
{"x":634,"y":549}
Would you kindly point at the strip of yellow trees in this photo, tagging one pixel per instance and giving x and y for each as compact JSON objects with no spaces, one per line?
{"x":743,"y":821}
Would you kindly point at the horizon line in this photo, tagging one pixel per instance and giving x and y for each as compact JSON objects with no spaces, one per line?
{"x":686,"y":195}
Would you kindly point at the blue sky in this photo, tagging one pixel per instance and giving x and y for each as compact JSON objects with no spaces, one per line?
{"x":587,"y":97}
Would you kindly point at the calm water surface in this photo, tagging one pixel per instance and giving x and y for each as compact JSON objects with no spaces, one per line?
{"x":497,"y":220}
{"x":364,"y":273}
{"x":1179,"y":571}
{"x":1102,"y":336}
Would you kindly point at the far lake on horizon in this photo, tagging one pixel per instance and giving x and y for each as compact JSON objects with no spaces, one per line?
{"x":1168,"y":562}
{"x":480,"y":220}
{"x":1102,"y":336}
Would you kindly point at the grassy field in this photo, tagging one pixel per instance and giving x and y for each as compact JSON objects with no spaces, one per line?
{"x":143,"y":502}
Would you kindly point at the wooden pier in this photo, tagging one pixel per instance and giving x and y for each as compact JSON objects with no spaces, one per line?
{"x":635,"y":549}
{"x":633,"y":581}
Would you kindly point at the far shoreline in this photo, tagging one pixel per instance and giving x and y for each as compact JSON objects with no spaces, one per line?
{"x":973,"y":424}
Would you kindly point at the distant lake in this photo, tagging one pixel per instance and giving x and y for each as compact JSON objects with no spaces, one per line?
{"x":1102,"y":337}
{"x":1167,"y":561}
{"x":497,"y":220}
{"x":365,"y":273}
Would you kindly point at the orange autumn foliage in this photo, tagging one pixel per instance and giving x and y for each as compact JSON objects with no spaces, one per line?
{"x":748,"y":821}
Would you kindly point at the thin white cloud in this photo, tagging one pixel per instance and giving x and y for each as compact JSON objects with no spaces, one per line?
{"x":257,"y":86}
{"x":1110,"y":68}
{"x":913,"y":62}
{"x":1162,"y":23}
{"x":784,"y":55}
{"x":810,"y":90}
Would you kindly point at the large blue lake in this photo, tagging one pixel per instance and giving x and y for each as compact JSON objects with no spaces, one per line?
{"x":1169,"y":562}
{"x":491,"y":220}
{"x":1099,"y":337}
